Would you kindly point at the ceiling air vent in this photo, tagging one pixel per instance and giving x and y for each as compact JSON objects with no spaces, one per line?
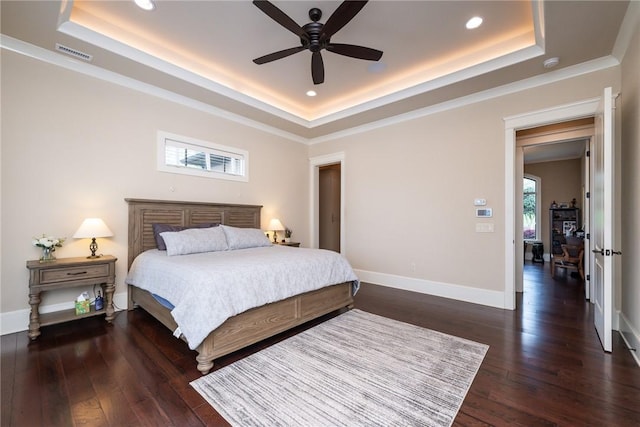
{"x":73,"y":52}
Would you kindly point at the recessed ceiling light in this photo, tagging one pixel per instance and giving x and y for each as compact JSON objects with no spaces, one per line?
{"x":145,"y":4}
{"x":551,"y":62}
{"x":311,"y":93}
{"x":474,"y":22}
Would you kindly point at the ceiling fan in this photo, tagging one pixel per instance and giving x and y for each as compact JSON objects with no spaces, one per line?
{"x":316,"y":36}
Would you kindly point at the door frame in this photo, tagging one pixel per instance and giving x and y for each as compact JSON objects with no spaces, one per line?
{"x":514,"y":247}
{"x":314,"y":181}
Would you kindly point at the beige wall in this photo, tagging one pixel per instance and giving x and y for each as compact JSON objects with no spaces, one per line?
{"x":410,"y":189}
{"x":74,"y":146}
{"x":561,"y":181}
{"x":630,"y":134}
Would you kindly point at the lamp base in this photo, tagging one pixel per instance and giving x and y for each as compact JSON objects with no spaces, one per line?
{"x":93,"y":247}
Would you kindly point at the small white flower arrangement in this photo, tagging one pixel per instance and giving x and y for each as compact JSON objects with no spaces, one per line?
{"x":48,"y":242}
{"x":48,"y":245}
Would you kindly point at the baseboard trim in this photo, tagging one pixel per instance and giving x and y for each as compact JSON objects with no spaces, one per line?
{"x":18,"y":321}
{"x":446,"y":290}
{"x":630,"y":336}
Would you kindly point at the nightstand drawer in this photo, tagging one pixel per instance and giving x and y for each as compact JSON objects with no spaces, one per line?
{"x":73,"y":273}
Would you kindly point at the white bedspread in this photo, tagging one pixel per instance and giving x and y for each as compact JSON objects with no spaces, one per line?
{"x":208,"y":288}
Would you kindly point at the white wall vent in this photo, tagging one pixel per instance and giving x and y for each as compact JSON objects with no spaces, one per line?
{"x":73,"y":52}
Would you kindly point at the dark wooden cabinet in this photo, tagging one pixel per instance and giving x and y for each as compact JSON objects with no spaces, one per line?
{"x":560,"y":221}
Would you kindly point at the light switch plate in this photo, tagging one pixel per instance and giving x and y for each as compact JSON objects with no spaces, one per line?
{"x":484,"y":227}
{"x":479,"y":202}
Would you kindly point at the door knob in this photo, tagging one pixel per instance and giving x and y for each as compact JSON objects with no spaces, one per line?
{"x":598,"y":251}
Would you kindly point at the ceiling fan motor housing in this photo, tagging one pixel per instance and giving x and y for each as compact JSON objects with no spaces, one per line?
{"x":314,"y":30}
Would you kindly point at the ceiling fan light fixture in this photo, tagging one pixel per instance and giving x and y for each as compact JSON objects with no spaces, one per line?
{"x":311,"y":93}
{"x":474,"y":22}
{"x":145,"y":4}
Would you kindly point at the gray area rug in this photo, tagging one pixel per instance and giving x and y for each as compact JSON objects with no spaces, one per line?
{"x":357,"y":369}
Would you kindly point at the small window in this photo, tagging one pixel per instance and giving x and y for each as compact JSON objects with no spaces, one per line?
{"x":184,"y":155}
{"x":531,"y":208}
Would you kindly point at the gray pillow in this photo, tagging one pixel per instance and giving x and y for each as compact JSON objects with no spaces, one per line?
{"x":161,"y":228}
{"x":195,"y":240}
{"x":242,"y":238}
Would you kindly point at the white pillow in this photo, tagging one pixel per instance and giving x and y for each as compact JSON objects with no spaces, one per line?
{"x":195,"y":240}
{"x":242,"y":238}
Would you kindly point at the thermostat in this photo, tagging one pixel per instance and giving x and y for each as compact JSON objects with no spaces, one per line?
{"x":484,"y":213}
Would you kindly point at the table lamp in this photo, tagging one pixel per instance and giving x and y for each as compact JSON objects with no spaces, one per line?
{"x":276,"y":226}
{"x":90,"y":229}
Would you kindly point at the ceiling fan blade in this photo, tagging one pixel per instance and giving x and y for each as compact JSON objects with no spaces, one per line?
{"x":280,"y":17}
{"x":317,"y":68}
{"x":278,"y":55}
{"x":342,"y":15}
{"x":354,"y":51}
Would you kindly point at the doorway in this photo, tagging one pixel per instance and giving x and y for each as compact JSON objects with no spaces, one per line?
{"x":560,"y":174}
{"x":514,"y":255}
{"x":329,"y":180}
{"x":557,"y":155}
{"x":334,"y":166}
{"x":559,"y":158}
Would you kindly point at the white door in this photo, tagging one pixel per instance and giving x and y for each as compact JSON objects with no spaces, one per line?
{"x":602,"y":219}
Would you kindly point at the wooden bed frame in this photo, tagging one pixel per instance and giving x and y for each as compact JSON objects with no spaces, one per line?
{"x":245,"y":328}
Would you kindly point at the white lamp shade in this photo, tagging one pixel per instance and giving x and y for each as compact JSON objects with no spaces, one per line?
{"x":92,"y":227}
{"x":275,"y":225}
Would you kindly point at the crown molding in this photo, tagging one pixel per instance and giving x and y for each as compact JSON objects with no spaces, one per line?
{"x":68,"y":63}
{"x":281,"y":109}
{"x":629,"y":25}
{"x":82,"y":33}
{"x":445,"y":80}
{"x":54,"y":58}
{"x":530,"y":83}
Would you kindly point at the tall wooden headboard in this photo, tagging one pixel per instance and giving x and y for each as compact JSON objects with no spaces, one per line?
{"x":144,"y":213}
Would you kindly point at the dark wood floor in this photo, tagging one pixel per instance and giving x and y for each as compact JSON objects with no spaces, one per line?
{"x":545,"y":365}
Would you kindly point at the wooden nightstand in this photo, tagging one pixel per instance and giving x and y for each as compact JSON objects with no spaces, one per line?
{"x":294,"y":244}
{"x":68,"y":273}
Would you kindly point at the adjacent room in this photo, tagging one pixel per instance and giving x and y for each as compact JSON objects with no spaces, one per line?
{"x":319,"y":212}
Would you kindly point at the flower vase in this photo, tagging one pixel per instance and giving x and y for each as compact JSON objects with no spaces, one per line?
{"x":47,"y":255}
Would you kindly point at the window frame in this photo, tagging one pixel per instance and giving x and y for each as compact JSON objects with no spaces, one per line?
{"x":538,"y":217}
{"x":164,"y":138}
